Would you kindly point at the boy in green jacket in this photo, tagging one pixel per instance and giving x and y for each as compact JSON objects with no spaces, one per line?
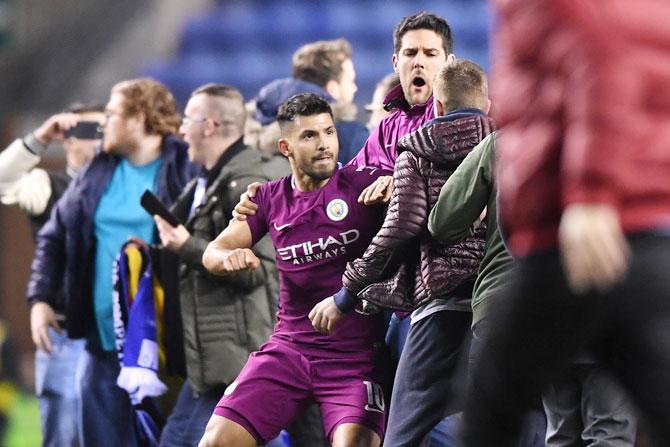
{"x":467,"y":195}
{"x":469,"y":192}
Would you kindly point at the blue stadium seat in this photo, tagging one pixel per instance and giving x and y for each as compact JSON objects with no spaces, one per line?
{"x":248,"y":43}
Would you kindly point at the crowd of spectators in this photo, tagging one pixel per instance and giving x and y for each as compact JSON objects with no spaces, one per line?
{"x":437,"y":276}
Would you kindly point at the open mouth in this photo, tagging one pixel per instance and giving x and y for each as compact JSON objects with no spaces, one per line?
{"x":418,"y":82}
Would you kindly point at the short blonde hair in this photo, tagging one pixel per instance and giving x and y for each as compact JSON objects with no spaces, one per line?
{"x":228,"y":103}
{"x":461,"y":84}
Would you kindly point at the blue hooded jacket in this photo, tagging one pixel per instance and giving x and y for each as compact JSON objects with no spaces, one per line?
{"x":66,"y":244}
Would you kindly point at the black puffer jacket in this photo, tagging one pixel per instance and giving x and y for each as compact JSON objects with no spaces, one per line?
{"x":404,"y":267}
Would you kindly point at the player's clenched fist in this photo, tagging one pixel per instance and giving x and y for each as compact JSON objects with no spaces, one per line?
{"x":231,"y":261}
{"x":325,"y":315}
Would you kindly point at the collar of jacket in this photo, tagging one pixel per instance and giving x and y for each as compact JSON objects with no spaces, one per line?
{"x":395,"y":99}
{"x":175,"y":171}
{"x":234,"y":149}
{"x":455,"y":115}
{"x":448,"y":139}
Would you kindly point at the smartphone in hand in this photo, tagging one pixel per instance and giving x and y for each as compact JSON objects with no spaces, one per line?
{"x":155,"y":207}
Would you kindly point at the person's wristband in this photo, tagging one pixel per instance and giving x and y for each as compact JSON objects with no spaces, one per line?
{"x":34,"y":146}
{"x":345,"y":300}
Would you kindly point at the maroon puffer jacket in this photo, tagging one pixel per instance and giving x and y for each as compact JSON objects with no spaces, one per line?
{"x":404,"y":267}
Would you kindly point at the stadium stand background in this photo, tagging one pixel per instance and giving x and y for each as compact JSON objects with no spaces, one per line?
{"x":249,"y":43}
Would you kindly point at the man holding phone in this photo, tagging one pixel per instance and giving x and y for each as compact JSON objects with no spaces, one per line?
{"x":34,"y":191}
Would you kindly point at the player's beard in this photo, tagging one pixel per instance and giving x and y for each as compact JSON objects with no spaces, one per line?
{"x":320,"y":174}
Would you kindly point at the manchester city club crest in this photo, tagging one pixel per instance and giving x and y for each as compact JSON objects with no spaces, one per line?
{"x":337,"y":209}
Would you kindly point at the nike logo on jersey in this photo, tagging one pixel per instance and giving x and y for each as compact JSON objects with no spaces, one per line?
{"x":281,"y":227}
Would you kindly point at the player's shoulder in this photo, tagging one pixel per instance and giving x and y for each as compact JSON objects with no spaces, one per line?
{"x":394,"y":117}
{"x":276,"y":186}
{"x":361,"y":176}
{"x":272,"y":192}
{"x":351,"y":171}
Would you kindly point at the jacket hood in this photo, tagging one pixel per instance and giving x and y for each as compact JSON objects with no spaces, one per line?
{"x":448,"y":139}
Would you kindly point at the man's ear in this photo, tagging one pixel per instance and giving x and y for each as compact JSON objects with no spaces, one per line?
{"x":332,"y":87}
{"x":210,"y":128}
{"x":137,"y":122}
{"x":394,"y":62}
{"x":284,"y":147}
{"x":488,"y":106}
{"x":439,"y":107}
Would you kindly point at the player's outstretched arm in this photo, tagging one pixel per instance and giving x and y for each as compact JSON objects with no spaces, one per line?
{"x":230,"y":251}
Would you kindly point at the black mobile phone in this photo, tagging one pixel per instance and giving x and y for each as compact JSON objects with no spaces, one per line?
{"x":85,"y":130}
{"x":154,"y":206}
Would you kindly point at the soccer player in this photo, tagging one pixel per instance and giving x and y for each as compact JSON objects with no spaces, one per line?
{"x":317,"y":226}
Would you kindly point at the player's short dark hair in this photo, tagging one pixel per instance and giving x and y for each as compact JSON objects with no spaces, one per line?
{"x":303,"y":104}
{"x":461,"y":84}
{"x":424,"y":20}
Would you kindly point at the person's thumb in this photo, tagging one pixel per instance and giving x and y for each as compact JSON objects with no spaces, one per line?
{"x":54,"y":324}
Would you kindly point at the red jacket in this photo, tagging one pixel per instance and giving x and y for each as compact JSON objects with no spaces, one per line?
{"x":582,"y":90}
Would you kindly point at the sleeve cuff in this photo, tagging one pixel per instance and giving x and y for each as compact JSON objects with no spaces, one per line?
{"x":36,"y":299}
{"x":34,"y":146}
{"x":592,"y":195}
{"x":345,"y":300}
{"x":192,"y":250}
